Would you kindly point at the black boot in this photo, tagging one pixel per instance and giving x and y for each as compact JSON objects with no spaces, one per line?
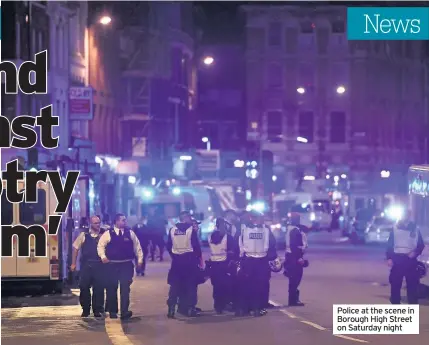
{"x":294,"y":299}
{"x":171,"y":312}
{"x":192,"y":312}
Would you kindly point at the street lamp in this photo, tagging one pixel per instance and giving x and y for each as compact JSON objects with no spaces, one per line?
{"x":341,"y":89}
{"x":208,"y":60}
{"x":302,"y":140}
{"x":105,"y":20}
{"x":207,"y":141}
{"x":300,"y":90}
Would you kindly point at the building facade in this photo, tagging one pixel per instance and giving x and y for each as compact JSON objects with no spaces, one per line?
{"x":29,"y":32}
{"x":159,"y":85}
{"x":355,"y":106}
{"x":221,"y":102}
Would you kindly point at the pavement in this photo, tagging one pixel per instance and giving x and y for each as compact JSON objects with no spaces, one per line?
{"x":338,"y":273}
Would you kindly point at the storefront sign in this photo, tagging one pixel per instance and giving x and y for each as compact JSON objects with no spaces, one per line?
{"x":80,"y":103}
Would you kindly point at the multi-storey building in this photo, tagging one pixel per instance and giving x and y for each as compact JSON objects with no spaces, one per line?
{"x":358,"y":105}
{"x":159,"y":85}
{"x":29,"y":32}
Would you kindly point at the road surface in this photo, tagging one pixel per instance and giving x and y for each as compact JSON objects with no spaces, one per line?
{"x":339,"y":273}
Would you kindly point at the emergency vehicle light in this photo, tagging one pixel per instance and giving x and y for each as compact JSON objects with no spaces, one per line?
{"x":147,"y":193}
{"x":395,"y":212}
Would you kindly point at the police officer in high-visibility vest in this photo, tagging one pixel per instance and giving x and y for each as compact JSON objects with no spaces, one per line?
{"x":117,"y":249}
{"x":185,"y":252}
{"x":254,"y":245}
{"x":296,"y":244}
{"x":223,"y":249}
{"x":405,"y":244}
{"x":91,"y":269}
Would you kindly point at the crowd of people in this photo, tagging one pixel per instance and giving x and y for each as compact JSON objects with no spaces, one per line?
{"x":242,"y":256}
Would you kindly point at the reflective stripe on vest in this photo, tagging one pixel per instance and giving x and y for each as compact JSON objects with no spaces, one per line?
{"x":219,"y":251}
{"x":405,"y":241}
{"x":181,"y":240}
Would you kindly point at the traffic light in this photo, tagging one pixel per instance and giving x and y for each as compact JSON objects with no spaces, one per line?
{"x":33,"y":158}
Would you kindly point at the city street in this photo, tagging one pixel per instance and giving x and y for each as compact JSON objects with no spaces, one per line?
{"x":339,"y":273}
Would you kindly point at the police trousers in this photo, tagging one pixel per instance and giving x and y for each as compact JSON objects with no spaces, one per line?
{"x":182,"y":279}
{"x":404,"y":267}
{"x":253,"y":277}
{"x":295,"y":272}
{"x":222,"y":284}
{"x":119,"y":273}
{"x":92,"y":276}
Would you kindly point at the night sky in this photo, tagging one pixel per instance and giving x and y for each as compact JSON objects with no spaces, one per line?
{"x":221,"y":21}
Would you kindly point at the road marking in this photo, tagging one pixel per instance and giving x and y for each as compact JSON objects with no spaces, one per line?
{"x":292,"y":316}
{"x":315,"y":325}
{"x":115,"y":332}
{"x":350,"y":338}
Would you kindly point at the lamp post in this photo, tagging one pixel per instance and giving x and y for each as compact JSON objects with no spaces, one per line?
{"x":208,"y":143}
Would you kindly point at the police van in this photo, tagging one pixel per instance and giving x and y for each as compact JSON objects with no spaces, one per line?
{"x":200,"y":200}
{"x":418,"y":187}
{"x":45,"y":272}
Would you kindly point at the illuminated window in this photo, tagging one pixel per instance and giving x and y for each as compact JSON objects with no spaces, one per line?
{"x":254,"y":125}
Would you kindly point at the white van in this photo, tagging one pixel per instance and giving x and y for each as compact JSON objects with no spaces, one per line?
{"x":46,"y":272}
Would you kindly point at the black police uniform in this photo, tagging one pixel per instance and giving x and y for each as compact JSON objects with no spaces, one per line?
{"x":120,"y":252}
{"x":91,"y":275}
{"x":271,"y":255}
{"x":255,"y":269}
{"x":185,"y":251}
{"x":404,"y":240}
{"x":223,"y":249}
{"x":295,"y":246}
{"x":142,"y":233}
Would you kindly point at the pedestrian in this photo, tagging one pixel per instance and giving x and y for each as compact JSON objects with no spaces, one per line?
{"x":185,"y":250}
{"x":296,"y":244}
{"x":222,"y":250}
{"x":91,"y":269}
{"x":405,"y":244}
{"x":117,"y":249}
{"x":142,"y":233}
{"x":254,"y":245}
{"x":156,"y":224}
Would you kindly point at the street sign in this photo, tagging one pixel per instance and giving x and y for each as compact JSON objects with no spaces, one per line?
{"x":80,"y":103}
{"x":208,"y":160}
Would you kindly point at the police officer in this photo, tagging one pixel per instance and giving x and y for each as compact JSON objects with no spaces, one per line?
{"x":185,"y":252}
{"x":254,"y":245}
{"x":182,"y":308}
{"x":271,"y":256}
{"x":223,"y":249}
{"x":91,"y":274}
{"x":142,"y":233}
{"x":296,"y":243}
{"x":117,"y":249}
{"x":405,"y":244}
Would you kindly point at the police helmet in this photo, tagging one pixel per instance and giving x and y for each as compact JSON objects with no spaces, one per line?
{"x":256,"y":217}
{"x":221,"y":222}
{"x":276,"y":265}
